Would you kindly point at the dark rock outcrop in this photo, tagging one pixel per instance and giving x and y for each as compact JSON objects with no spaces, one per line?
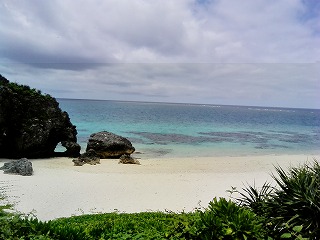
{"x":109,"y":145}
{"x":89,"y":157}
{"x":73,"y":148}
{"x":127,"y":159}
{"x":32,"y":124}
{"x":22,"y":167}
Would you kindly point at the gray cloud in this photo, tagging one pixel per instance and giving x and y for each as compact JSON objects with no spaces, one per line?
{"x":226,"y":52}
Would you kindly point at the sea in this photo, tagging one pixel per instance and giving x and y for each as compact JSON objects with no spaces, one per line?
{"x":159,"y":130}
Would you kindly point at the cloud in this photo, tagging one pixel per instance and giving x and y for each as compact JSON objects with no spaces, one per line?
{"x":215,"y":51}
{"x":292,"y":85}
{"x":157,"y":31}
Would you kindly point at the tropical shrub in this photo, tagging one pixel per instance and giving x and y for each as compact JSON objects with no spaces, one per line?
{"x":292,"y":208}
{"x":225,"y":219}
{"x":297,"y":200}
{"x":255,"y":198}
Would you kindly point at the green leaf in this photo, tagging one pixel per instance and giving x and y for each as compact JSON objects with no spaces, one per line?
{"x":297,"y":229}
{"x":286,"y":235}
{"x":229,"y":231}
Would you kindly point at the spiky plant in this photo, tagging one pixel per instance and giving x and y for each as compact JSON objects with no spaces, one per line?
{"x":256,"y":198}
{"x":293,"y":204}
{"x":297,"y":200}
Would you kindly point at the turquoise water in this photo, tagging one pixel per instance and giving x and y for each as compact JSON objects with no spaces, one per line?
{"x":179,"y":130}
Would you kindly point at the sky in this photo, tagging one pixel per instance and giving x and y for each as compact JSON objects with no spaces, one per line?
{"x":250,"y":52}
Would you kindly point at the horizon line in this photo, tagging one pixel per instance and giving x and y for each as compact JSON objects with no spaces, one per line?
{"x":187,"y":103}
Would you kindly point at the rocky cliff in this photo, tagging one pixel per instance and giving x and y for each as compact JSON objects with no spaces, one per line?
{"x":32,"y":124}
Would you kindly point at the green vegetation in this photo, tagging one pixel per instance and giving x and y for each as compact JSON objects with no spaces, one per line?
{"x":224,"y":219}
{"x":3,"y":206}
{"x":21,"y":97}
{"x":291,"y":210}
{"x":25,"y":90}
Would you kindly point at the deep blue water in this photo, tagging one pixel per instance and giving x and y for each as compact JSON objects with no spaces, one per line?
{"x":170,"y":130}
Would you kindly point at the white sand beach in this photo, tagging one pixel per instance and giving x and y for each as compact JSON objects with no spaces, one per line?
{"x":59,"y":189}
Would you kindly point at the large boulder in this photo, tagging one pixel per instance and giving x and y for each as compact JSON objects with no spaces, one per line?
{"x":32,"y":124}
{"x":22,"y":167}
{"x":109,"y":145}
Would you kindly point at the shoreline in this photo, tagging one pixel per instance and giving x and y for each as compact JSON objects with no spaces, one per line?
{"x":59,"y":189}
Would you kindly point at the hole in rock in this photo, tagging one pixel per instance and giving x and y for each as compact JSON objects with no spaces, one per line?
{"x":59,"y":148}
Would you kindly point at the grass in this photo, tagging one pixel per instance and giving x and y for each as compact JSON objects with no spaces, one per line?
{"x":289,"y":210}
